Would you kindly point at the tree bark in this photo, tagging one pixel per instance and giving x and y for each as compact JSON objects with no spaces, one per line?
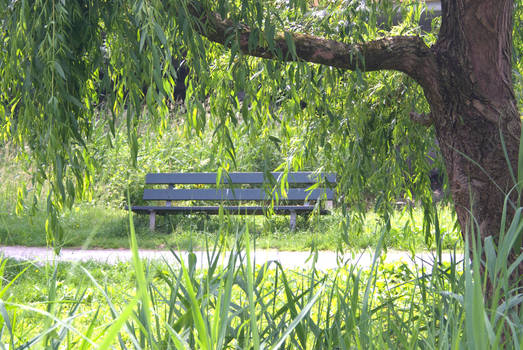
{"x":475,"y":109}
{"x":408,"y":54}
{"x":467,"y":80}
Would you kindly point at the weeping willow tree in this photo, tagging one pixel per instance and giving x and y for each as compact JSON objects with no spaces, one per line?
{"x":336,"y":80}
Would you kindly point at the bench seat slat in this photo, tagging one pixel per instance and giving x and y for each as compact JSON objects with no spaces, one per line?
{"x":293,"y":194}
{"x":235,"y":178}
{"x":240,"y":210}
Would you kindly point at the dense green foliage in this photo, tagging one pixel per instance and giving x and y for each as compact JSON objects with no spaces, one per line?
{"x":71,"y":68}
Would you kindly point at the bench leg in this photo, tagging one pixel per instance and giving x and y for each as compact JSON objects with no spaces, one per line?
{"x":152,"y":220}
{"x":293,"y":220}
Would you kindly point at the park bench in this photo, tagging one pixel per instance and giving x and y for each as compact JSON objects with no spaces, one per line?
{"x":230,"y":194}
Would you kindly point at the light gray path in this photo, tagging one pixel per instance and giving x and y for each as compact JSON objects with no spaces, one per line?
{"x":325,"y":260}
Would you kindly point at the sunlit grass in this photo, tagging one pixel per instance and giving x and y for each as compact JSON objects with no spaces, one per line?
{"x":390,"y":306}
{"x":88,"y":225}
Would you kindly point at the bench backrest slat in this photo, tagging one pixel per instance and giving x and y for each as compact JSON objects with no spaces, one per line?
{"x":235,"y":178}
{"x":293,"y":194}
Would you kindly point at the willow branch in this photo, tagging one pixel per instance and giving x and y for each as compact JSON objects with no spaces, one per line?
{"x":408,"y":54}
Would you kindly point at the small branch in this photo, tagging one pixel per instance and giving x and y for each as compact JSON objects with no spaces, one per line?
{"x":423,"y":119}
{"x":408,"y":54}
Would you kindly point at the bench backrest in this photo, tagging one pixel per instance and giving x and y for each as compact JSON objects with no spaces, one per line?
{"x":302,"y":180}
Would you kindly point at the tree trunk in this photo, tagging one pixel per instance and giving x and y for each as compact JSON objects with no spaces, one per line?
{"x":473,"y":107}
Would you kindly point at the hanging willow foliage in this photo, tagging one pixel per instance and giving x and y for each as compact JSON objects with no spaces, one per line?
{"x":66,"y":63}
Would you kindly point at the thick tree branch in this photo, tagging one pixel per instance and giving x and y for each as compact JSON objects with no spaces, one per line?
{"x":408,"y":54}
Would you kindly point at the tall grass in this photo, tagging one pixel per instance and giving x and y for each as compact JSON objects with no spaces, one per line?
{"x":235,"y":304}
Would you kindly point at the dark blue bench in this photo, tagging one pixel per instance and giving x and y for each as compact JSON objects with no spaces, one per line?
{"x":299,"y":198}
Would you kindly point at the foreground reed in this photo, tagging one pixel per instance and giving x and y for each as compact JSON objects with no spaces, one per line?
{"x":234,"y":304}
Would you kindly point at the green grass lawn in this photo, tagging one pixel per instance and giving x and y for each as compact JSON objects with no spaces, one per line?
{"x":89,"y":225}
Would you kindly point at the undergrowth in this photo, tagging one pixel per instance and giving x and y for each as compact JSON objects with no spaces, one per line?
{"x":230,"y":303}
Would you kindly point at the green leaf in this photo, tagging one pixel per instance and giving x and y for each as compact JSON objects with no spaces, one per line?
{"x":160,"y":33}
{"x":59,"y":69}
{"x":520,"y":163}
{"x":201,"y":326}
{"x":290,"y":45}
{"x":250,"y":291}
{"x":116,"y":325}
{"x":296,"y":321}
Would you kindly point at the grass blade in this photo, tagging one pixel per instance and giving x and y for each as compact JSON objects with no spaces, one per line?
{"x":145,"y":314}
{"x":250,"y":291}
{"x":299,"y":318}
{"x":84,"y":345}
{"x":115,"y":327}
{"x":7,"y":322}
{"x":201,"y":326}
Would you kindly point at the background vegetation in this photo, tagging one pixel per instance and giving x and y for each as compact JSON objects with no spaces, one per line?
{"x":100,"y":220}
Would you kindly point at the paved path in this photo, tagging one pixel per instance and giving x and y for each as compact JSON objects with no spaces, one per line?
{"x":326,"y":259}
